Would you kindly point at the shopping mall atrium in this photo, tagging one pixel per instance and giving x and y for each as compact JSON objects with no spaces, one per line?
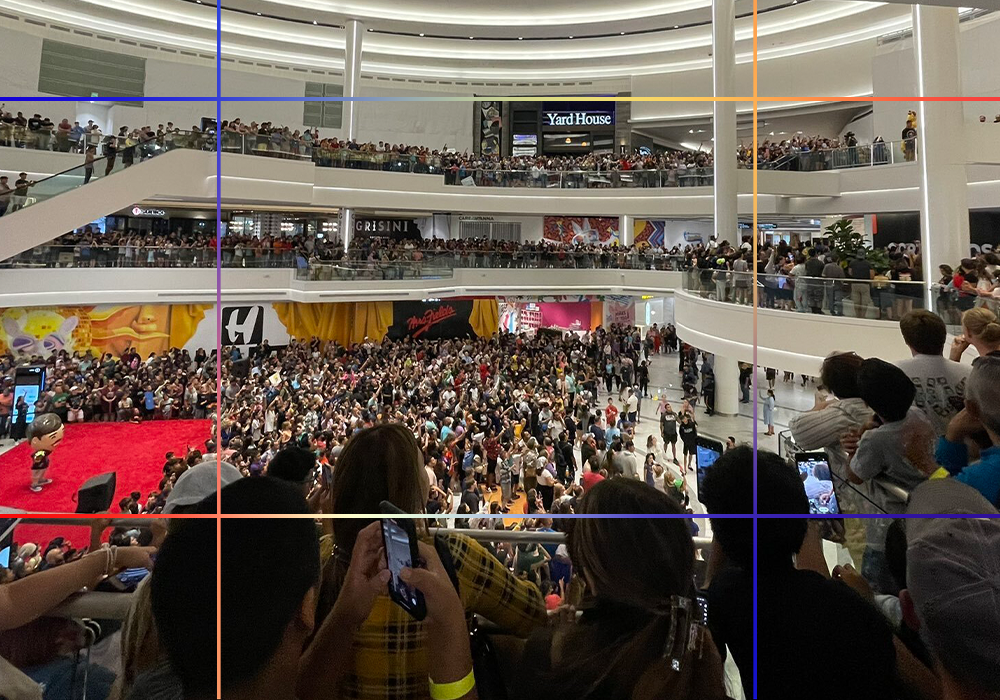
{"x":498,"y":264}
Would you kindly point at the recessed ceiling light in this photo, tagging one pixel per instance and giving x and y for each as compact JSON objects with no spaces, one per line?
{"x":315,"y":22}
{"x":677,"y":26}
{"x":571,"y":37}
{"x":520,"y":38}
{"x":472,"y":37}
{"x":421,"y":33}
{"x":623,"y":33}
{"x":258,"y":14}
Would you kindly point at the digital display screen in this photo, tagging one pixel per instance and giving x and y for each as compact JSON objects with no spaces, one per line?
{"x":28,"y":382}
{"x":818,"y":483}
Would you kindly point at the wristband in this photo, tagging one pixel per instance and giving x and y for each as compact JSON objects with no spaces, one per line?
{"x":452,"y":691}
{"x":941,"y":473}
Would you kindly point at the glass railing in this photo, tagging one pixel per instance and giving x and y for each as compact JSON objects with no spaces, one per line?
{"x":96,"y":254}
{"x":372,"y":270}
{"x":861,"y":156}
{"x":885,"y":300}
{"x":581,"y":179}
{"x":123,"y":154}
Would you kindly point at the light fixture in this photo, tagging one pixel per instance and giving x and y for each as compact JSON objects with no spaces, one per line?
{"x":472,"y":37}
{"x":421,"y":33}
{"x":677,"y":26}
{"x":315,"y":22}
{"x":571,"y":37}
{"x":520,"y":38}
{"x":569,"y":140}
{"x":623,"y":33}
{"x":258,"y":14}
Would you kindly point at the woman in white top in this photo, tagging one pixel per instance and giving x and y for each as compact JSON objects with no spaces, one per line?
{"x":799,"y":292}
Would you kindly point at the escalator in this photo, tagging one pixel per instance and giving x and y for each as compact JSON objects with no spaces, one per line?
{"x":177,"y":168}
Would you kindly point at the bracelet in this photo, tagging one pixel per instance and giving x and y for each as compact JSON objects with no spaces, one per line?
{"x":452,"y":691}
{"x":112,"y":560}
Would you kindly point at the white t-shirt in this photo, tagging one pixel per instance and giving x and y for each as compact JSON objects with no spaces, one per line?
{"x":632,"y":403}
{"x":940,"y":387}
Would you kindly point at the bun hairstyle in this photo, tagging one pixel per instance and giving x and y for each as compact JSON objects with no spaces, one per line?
{"x":982,"y":324}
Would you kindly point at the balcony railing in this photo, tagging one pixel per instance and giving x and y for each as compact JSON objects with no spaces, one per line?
{"x":885,"y":300}
{"x":434,"y":263}
{"x":861,"y":156}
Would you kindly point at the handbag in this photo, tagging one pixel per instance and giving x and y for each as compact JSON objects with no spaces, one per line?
{"x":485,"y":664}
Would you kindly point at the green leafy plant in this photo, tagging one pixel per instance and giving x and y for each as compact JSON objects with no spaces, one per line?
{"x":850,"y":244}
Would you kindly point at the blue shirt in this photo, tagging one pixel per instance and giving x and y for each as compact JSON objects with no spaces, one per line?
{"x":984,"y":475}
{"x":148,"y":396}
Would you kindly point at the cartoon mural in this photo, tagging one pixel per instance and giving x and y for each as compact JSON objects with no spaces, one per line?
{"x":600,"y":230}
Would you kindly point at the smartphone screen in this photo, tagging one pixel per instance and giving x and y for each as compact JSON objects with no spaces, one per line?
{"x":706,"y":453}
{"x":397,"y":554}
{"x":7,"y":526}
{"x":814,"y":470}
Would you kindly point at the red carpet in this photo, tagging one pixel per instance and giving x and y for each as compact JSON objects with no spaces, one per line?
{"x":135,"y":451}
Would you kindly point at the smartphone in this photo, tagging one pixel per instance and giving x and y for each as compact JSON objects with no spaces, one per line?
{"x":399,"y":537}
{"x":327,"y":474}
{"x":814,"y":470}
{"x":7,"y":526}
{"x":707,"y":451}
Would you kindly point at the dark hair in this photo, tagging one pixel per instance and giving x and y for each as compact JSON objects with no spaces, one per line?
{"x":183,"y":600}
{"x":886,"y":389}
{"x":779,"y":491}
{"x":292,"y":464}
{"x":728,"y":489}
{"x":635,"y":565}
{"x":262,"y":594}
{"x":840,"y":374}
{"x":895,"y":552}
{"x":924,"y":331}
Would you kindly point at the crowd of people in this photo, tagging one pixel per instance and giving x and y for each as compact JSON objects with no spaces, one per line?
{"x":495,"y":417}
{"x":812,"y":277}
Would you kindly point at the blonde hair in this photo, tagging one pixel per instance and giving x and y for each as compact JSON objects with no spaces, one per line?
{"x":982,"y":324}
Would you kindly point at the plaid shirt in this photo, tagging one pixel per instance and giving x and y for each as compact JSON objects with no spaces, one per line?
{"x":390,"y":654}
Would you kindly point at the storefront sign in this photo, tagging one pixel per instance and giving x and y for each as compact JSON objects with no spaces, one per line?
{"x":577,"y":119}
{"x":387,"y":228}
{"x":426,"y":320}
{"x":139,"y":211}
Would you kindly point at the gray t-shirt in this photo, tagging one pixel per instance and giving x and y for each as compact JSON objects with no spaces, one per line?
{"x":940,"y":387}
{"x":880,"y":454}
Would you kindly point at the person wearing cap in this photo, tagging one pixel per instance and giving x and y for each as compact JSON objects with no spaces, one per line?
{"x":953,"y":586}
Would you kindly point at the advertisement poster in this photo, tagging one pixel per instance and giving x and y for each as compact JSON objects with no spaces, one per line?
{"x":648,"y":232}
{"x":431,"y":320}
{"x":620,"y":313}
{"x":570,"y":230}
{"x":566,"y":316}
{"x":45,"y":330}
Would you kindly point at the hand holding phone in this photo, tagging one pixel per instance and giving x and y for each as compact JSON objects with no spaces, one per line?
{"x":399,"y":539}
{"x":443,"y":606}
{"x":366,"y":577}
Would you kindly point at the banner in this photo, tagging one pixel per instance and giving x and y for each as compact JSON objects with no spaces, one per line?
{"x":431,"y":320}
{"x":622,"y":314}
{"x":45,"y":330}
{"x":570,"y":230}
{"x":567,"y":316}
{"x":649,"y":232}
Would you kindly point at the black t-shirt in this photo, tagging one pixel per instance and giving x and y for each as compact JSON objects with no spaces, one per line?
{"x":730,"y":618}
{"x":859,"y":269}
{"x":909,"y":133}
{"x":821,"y":639}
{"x":814,"y":267}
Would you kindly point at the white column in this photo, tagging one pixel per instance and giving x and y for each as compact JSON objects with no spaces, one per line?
{"x":354,"y":31}
{"x":347,"y":226}
{"x":724,"y":118}
{"x":727,"y":386}
{"x":944,"y":206}
{"x":625,"y":232}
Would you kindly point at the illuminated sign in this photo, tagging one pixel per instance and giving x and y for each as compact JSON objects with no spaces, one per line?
{"x":578,"y":119}
{"x":139,"y":211}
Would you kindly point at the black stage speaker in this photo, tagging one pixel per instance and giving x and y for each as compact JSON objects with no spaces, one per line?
{"x":97,"y":494}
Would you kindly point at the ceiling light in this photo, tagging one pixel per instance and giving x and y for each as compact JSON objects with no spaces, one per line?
{"x":472,"y":37}
{"x":421,"y":33}
{"x":571,"y":37}
{"x":258,"y":14}
{"x":677,"y":26}
{"x":315,"y":22}
{"x":623,"y":33}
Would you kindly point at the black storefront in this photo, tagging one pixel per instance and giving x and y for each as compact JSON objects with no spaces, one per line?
{"x":576,"y":127}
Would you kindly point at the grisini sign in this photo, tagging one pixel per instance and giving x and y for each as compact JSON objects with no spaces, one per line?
{"x":578,"y":119}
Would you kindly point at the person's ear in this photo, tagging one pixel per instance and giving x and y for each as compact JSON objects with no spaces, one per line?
{"x":909,"y":610}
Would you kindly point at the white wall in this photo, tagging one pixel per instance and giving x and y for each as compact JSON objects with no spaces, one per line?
{"x":894,"y":72}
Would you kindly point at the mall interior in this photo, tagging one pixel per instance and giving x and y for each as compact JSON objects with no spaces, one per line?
{"x":446,"y":282}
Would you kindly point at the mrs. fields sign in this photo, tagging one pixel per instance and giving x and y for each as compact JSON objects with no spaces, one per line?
{"x":577,"y":119}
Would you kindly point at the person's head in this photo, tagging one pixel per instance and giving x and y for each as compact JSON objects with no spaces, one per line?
{"x":952,"y":594}
{"x":982,"y":393}
{"x":779,"y":491}
{"x":638,"y":568}
{"x":728,"y":489}
{"x":294,"y":465}
{"x":886,"y":389}
{"x":924,"y":332}
{"x":383,"y":463}
{"x":981,"y":329}
{"x":186,"y":624}
{"x":839,"y":374}
{"x":45,"y":432}
{"x":269,"y":603}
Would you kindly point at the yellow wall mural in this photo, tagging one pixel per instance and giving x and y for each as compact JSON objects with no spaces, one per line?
{"x":45,"y":330}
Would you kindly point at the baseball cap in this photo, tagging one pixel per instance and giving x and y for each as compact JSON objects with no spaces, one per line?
{"x":198,"y":483}
{"x":953,"y":577}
